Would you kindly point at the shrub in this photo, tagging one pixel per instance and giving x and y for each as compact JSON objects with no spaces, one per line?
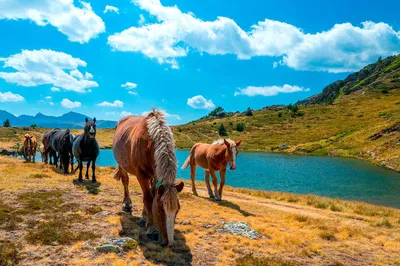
{"x":250,"y":260}
{"x":280,"y":114}
{"x":222,"y":130}
{"x":240,"y":127}
{"x":9,"y":254}
{"x":33,"y":126}
{"x":180,"y":130}
{"x":249,"y":112}
{"x":385,"y":91}
{"x":218,"y":112}
{"x":7,"y":123}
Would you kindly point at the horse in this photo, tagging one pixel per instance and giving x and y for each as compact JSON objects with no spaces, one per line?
{"x":61,"y":142}
{"x":144,"y":147}
{"x":49,"y":153}
{"x":212,"y":158}
{"x":42,"y":153}
{"x":86,"y":149}
{"x":30,"y":146}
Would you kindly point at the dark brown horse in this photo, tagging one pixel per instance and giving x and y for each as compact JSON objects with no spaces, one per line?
{"x":144,"y":147}
{"x":212,"y":157}
{"x":30,"y":146}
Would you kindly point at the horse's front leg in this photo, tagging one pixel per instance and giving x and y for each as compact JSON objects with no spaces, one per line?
{"x":120,"y":174}
{"x":87,"y":170}
{"x":207,"y":179}
{"x":147,"y":201}
{"x":80,"y":165}
{"x":94,"y":171}
{"x":34,"y":155}
{"x":215,"y":184}
{"x":222,"y":174}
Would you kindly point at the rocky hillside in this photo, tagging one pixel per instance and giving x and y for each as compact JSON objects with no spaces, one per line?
{"x":379,"y":76}
{"x":361,"y":122}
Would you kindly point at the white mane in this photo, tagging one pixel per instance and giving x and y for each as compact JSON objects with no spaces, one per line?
{"x":221,"y":142}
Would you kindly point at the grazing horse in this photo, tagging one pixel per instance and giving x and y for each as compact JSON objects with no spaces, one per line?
{"x":144,"y":147}
{"x":61,"y":142}
{"x":212,"y":158}
{"x":30,"y":146}
{"x":86,"y":149}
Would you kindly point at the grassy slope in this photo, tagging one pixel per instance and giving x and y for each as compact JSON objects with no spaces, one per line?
{"x":39,"y":207}
{"x":341,"y":129}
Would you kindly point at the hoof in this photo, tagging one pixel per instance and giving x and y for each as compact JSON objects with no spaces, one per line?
{"x":142,"y":221}
{"x":195,"y":193}
{"x":127,"y":208}
{"x":218,"y":199}
{"x":86,"y":177}
{"x":94,"y":181}
{"x":152,"y":234}
{"x":212,"y":196}
{"x":80,"y":180}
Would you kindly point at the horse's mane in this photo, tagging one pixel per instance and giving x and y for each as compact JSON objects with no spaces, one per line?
{"x":221,"y":142}
{"x":164,"y":147}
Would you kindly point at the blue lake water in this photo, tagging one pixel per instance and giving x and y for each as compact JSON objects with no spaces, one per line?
{"x":343,"y":178}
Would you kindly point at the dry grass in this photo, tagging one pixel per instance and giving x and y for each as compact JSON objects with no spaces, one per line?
{"x":55,"y":221}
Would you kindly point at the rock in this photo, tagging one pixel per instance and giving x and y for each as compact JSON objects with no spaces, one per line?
{"x":240,"y":228}
{"x":283,"y":146}
{"x":102,"y":213}
{"x":121,"y":241}
{"x":108,"y":248}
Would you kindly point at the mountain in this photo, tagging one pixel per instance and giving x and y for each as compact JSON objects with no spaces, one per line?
{"x":68,"y":120}
{"x":381,"y":75}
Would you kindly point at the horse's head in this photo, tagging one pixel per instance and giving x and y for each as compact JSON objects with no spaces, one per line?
{"x":165,"y":208}
{"x":90,"y":128}
{"x":232,"y":152}
{"x":28,"y":140}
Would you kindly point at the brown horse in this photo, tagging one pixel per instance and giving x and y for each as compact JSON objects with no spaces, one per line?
{"x":212,"y":158}
{"x":30,"y":146}
{"x":144,"y":147}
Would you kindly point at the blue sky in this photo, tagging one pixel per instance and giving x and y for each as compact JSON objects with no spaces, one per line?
{"x":185,"y":57}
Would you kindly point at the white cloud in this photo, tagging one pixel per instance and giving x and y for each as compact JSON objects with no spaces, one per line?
{"x":342,"y":48}
{"x":70,"y":104}
{"x":39,"y":67}
{"x":125,"y":113}
{"x":10,"y":97}
{"x":269,"y":90}
{"x":129,"y":85}
{"x":121,"y":114}
{"x":55,"y":89}
{"x":116,"y":103}
{"x":142,"y":20}
{"x":80,"y":24}
{"x":88,"y":75}
{"x":48,"y":97}
{"x":199,"y":102}
{"x":111,"y":9}
{"x":133,"y":93}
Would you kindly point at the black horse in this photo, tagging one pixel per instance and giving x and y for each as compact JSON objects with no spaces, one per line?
{"x":61,"y":142}
{"x":86,"y":149}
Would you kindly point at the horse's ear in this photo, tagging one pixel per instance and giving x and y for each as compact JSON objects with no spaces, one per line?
{"x":227,"y":143}
{"x":238,"y":143}
{"x":94,"y":119}
{"x":161,"y":190}
{"x":86,"y":119}
{"x":179,"y":187}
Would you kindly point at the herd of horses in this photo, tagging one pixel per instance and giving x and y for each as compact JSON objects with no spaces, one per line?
{"x":143,"y":146}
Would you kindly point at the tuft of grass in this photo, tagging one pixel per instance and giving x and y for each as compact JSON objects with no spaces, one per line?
{"x":384,"y":223}
{"x":9,"y":254}
{"x":9,"y":219}
{"x":322,"y":205}
{"x":58,"y":231}
{"x":130,"y":245}
{"x":39,"y":200}
{"x":250,"y":260}
{"x":370,"y":210}
{"x":293,"y":199}
{"x":93,"y":209}
{"x":327,"y":235}
{"x":336,"y":208}
{"x":301,"y":218}
{"x":39,"y":175}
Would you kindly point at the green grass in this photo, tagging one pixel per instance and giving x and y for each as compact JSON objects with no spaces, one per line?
{"x":38,"y":200}
{"x":9,"y":254}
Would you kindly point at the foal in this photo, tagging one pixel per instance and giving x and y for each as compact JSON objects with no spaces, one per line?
{"x":30,"y":146}
{"x":212,"y":158}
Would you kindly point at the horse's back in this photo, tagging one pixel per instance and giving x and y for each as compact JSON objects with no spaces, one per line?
{"x":132,"y":146}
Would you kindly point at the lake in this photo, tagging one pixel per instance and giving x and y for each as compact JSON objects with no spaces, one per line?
{"x":336,"y":177}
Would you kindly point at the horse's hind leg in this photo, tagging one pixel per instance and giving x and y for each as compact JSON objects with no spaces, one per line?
{"x":215,"y":184}
{"x":207,"y":179}
{"x":192,"y":177}
{"x":80,"y":165}
{"x":87,"y":170}
{"x":120,"y":174}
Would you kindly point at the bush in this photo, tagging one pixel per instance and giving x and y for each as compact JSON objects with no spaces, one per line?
{"x":222,"y":130}
{"x":7,"y":123}
{"x":249,"y":112}
{"x":218,"y":112}
{"x":385,"y":91}
{"x":33,"y":126}
{"x":180,"y":129}
{"x":240,"y":127}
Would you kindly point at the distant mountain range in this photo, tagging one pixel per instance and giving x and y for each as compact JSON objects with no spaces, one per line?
{"x":68,"y":120}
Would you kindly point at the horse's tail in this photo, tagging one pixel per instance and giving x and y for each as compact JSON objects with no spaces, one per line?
{"x":164,"y":147}
{"x":186,"y":164}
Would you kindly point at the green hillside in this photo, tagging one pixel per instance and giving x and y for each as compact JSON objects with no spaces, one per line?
{"x":357,"y":117}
